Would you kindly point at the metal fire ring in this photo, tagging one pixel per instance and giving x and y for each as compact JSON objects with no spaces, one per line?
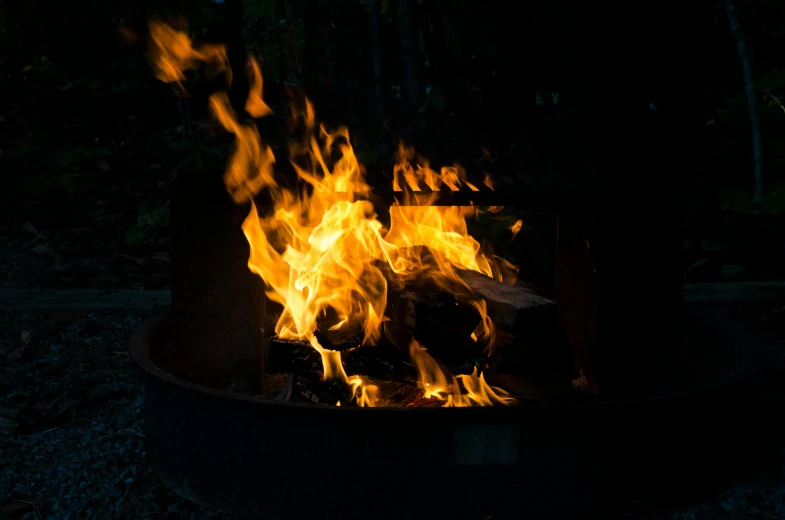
{"x":259,"y":459}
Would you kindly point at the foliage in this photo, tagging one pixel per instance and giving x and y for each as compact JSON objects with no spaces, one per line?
{"x":151,"y":222}
{"x":467,"y":51}
{"x":739,"y":201}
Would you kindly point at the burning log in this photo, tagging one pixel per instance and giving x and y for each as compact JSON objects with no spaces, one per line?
{"x":529,"y":340}
{"x":383,"y":362}
{"x":526,"y":338}
{"x":318,"y":253}
{"x":289,"y":357}
{"x":392,"y":394}
{"x":505,"y":302}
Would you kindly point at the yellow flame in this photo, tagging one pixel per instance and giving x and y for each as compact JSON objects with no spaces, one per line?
{"x":322,"y":248}
{"x":434,"y":383}
{"x":416,"y":170}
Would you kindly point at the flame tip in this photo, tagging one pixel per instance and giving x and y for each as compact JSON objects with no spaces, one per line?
{"x":321,"y":248}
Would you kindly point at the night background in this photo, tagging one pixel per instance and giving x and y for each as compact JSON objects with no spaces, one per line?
{"x":557,"y":94}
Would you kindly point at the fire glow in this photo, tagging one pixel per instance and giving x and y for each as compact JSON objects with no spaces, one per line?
{"x":323,"y":249}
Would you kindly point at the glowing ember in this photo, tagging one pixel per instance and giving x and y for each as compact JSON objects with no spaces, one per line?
{"x":324,"y":249}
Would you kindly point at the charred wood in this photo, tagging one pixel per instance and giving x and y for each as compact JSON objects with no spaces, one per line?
{"x":384,"y":362}
{"x":505,"y":302}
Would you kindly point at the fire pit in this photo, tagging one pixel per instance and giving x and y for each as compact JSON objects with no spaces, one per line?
{"x":321,"y":359}
{"x":262,"y":458}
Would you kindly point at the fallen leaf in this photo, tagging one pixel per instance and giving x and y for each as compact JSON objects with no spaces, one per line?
{"x":7,"y":424}
{"x":46,"y":413}
{"x":15,"y":355}
{"x":729,"y":271}
{"x":135,"y":259}
{"x":711,"y":246}
{"x":29,"y":228}
{"x":13,"y":508}
{"x":23,"y":352}
{"x":60,"y":317}
{"x":44,"y":249}
{"x":697,"y":264}
{"x":17,"y":507}
{"x":162,"y":257}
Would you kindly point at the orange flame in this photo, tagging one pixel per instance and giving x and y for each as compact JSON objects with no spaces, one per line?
{"x":516,"y":227}
{"x":254,"y":105}
{"x":172,"y":53}
{"x":251,"y":166}
{"x":435,"y":384}
{"x":421,"y":171}
{"x":488,"y":181}
{"x":323,"y":248}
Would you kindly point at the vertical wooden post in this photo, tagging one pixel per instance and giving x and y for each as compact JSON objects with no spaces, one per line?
{"x":218,"y":304}
{"x":576,"y":289}
{"x":619,"y":261}
{"x":640,"y":246}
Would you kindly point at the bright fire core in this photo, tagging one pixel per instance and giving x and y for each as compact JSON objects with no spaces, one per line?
{"x":322,"y":248}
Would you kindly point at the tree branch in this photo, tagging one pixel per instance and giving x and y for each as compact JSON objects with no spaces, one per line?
{"x":746,"y":69}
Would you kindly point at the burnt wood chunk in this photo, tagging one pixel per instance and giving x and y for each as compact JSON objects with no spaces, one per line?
{"x":288,"y":356}
{"x":504,"y":302}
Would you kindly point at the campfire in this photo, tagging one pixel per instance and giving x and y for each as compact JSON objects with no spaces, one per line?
{"x":306,"y":289}
{"x":408,"y":310}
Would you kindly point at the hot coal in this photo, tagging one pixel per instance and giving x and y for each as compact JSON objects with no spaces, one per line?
{"x":383,"y":361}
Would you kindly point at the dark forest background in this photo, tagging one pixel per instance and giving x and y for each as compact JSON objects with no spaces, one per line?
{"x":91,"y":145}
{"x":91,"y":141}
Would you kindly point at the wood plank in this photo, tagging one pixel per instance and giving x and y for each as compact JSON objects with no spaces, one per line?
{"x":734,"y":292}
{"x":99,"y":301}
{"x":84,"y":300}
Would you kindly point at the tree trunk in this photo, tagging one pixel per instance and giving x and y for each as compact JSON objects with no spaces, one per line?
{"x":315,"y":59}
{"x":752,"y":102}
{"x":234,"y":23}
{"x":412,"y":87}
{"x":436,"y":48}
{"x":376,"y":53}
{"x":281,"y":34}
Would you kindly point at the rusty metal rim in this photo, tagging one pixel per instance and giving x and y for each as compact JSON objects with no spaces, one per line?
{"x":750,"y":366}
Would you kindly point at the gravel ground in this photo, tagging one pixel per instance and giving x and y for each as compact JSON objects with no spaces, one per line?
{"x":72,"y":441}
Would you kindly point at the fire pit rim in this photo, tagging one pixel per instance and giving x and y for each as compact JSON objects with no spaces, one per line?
{"x":750,"y":365}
